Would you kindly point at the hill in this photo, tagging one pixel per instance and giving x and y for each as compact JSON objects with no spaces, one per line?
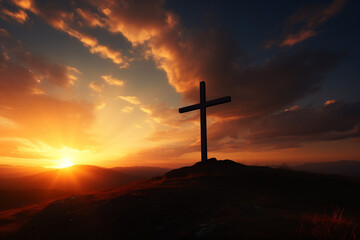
{"x":216,"y":200}
{"x":142,"y":172}
{"x":18,"y":198}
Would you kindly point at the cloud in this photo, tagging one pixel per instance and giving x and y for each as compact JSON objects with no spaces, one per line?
{"x":138,"y":21}
{"x":112,"y":81}
{"x":18,"y":148}
{"x":19,"y":15}
{"x":305,"y":23}
{"x":94,"y":47}
{"x":127,"y":109}
{"x":91,"y":19}
{"x":57,"y":15}
{"x":293,"y":108}
{"x":328,"y":102}
{"x":292,"y":39}
{"x":100,"y":105}
{"x":130,"y":99}
{"x":161,"y":113}
{"x":96,"y":87}
{"x":330,"y":122}
{"x":7,"y":123}
{"x":25,"y":4}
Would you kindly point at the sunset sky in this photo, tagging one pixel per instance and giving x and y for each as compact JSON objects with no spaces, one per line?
{"x":100,"y":81}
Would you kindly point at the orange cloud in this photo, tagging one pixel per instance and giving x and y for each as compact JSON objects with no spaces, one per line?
{"x":138,"y":21}
{"x":130,"y":99}
{"x":127,"y":109}
{"x":162,"y":114}
{"x":328,"y":102}
{"x":112,"y":81}
{"x":66,"y":22}
{"x":25,"y":4}
{"x":90,"y":18}
{"x":15,"y":149}
{"x":19,"y":16}
{"x":293,"y":108}
{"x":292,"y":39}
{"x":97,"y":87}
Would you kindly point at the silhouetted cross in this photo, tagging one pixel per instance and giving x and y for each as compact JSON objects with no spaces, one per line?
{"x":202,"y":106}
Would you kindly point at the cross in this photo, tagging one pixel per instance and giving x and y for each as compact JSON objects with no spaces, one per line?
{"x":202,"y":106}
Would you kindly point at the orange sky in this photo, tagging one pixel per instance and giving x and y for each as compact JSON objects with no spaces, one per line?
{"x":100,"y":82}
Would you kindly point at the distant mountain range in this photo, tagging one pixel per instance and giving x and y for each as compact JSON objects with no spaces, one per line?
{"x":216,"y":200}
{"x":20,"y":186}
{"x":344,"y":168}
{"x":77,"y":178}
{"x":9,"y":171}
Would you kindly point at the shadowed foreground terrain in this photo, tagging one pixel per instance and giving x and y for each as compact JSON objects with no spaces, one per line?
{"x":216,"y":200}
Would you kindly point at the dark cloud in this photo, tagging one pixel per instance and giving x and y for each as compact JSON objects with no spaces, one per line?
{"x":305,"y":23}
{"x":330,"y":122}
{"x":278,"y":83}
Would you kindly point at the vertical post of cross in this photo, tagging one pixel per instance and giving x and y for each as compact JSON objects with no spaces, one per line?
{"x":203,"y":122}
{"x":202,"y":106}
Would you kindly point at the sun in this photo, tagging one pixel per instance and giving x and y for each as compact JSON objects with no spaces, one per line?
{"x":64,"y":163}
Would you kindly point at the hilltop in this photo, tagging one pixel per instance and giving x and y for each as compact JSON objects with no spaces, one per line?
{"x":216,"y":200}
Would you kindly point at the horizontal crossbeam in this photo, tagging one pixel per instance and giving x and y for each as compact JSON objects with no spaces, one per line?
{"x":207,"y":104}
{"x":218,"y":101}
{"x":189,"y":108}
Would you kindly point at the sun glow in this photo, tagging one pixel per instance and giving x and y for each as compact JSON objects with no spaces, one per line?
{"x":64,"y":163}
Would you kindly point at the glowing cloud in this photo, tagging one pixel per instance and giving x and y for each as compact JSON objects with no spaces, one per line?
{"x":130,"y":99}
{"x":112,"y":81}
{"x":19,"y":16}
{"x":328,"y":102}
{"x":96,"y":87}
{"x":127,"y":109}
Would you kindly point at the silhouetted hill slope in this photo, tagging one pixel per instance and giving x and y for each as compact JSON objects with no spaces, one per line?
{"x":142,"y":172}
{"x":216,"y":200}
{"x":74,"y":178}
{"x":19,"y":198}
{"x":344,"y":168}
